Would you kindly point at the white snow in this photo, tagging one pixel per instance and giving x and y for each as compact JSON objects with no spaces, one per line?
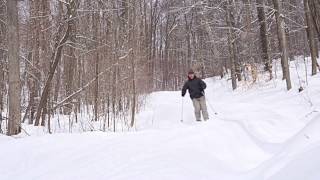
{"x":261,"y":132}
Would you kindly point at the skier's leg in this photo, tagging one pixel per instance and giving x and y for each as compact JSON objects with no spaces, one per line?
{"x":196,"y":105}
{"x":204,"y":109}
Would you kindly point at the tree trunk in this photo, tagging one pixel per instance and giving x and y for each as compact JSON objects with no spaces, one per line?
{"x":2,"y":85}
{"x":14,"y":124}
{"x":95,"y":29}
{"x":2,"y":79}
{"x":35,"y":29}
{"x":133,"y":54}
{"x":314,"y":6}
{"x":263,"y":36}
{"x":231,"y":42}
{"x":311,"y":37}
{"x":282,"y":42}
{"x":56,"y":56}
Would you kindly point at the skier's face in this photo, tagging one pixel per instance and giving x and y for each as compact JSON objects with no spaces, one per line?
{"x":191,"y":76}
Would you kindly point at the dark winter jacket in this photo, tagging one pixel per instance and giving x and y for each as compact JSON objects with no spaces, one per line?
{"x":195,"y":87}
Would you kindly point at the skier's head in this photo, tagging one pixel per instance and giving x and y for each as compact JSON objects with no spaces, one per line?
{"x":191,"y":74}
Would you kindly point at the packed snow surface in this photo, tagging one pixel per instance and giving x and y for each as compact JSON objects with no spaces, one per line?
{"x":260,"y":132}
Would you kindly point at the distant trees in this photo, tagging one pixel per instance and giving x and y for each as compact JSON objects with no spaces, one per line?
{"x":100,"y":58}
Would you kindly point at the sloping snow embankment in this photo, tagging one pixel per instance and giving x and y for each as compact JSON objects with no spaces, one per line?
{"x":264,"y":133}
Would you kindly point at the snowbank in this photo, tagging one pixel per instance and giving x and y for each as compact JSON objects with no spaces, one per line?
{"x":261,"y":132}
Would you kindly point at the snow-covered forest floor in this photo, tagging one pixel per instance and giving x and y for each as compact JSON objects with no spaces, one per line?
{"x":261,"y":132}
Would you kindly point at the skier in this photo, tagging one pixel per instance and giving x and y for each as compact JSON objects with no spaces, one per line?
{"x":196,"y":87}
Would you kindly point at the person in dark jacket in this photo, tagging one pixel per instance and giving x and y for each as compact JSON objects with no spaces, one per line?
{"x":196,"y":87}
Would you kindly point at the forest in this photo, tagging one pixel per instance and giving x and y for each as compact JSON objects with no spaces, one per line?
{"x":103,"y":57}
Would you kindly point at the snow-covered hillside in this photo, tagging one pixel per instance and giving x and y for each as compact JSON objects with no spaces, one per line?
{"x":261,"y":132}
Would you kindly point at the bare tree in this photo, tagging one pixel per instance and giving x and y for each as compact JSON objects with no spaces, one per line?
{"x":101,"y":58}
{"x":283,"y":42}
{"x":14,"y":125}
{"x":231,"y":42}
{"x":3,"y":57}
{"x":263,"y":36}
{"x":314,"y":5}
{"x":56,"y":56}
{"x":311,"y":37}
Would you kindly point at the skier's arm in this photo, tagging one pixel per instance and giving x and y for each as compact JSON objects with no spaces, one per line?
{"x":203,"y":85}
{"x":184,"y":89}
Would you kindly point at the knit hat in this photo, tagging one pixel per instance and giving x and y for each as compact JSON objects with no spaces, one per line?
{"x":190,"y":71}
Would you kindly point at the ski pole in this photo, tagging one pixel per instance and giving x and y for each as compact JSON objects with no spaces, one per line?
{"x":182,"y":109}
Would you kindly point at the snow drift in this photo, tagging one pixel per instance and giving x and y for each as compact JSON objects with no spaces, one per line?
{"x":261,"y":132}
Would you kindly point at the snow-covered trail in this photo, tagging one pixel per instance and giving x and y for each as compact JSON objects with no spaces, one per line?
{"x":254,"y":129}
{"x":263,"y":133}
